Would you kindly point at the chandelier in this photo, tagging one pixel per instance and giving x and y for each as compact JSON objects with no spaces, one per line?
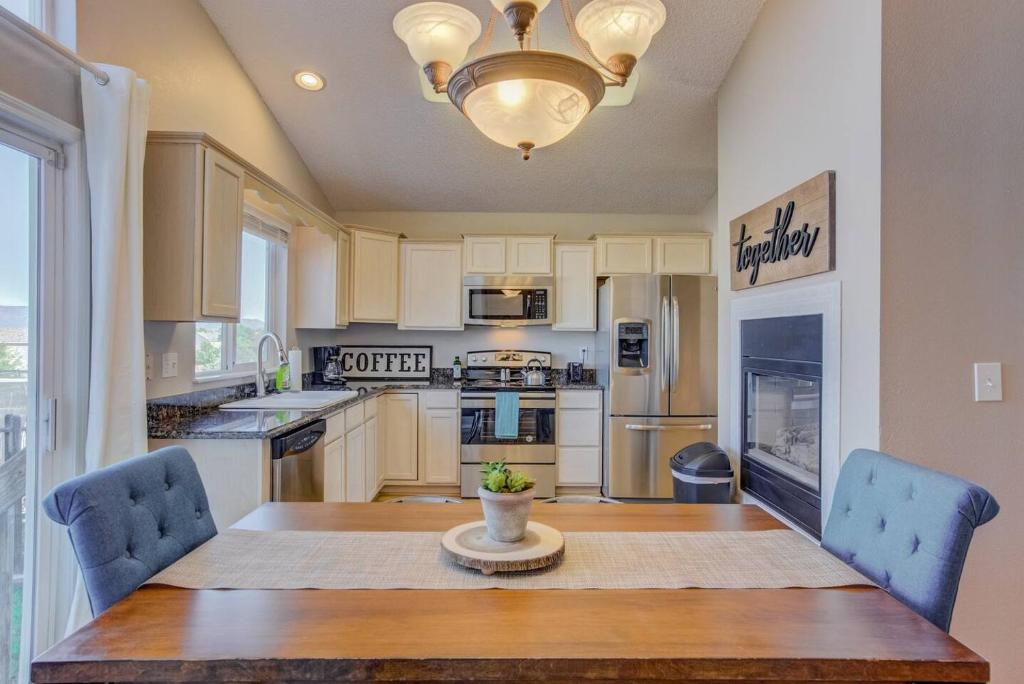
{"x":528,"y":98}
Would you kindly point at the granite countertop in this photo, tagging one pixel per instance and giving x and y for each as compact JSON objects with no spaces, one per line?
{"x":197,"y":416}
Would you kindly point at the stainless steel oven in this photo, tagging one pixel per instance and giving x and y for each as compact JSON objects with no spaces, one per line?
{"x":506,"y":301}
{"x":533,"y":451}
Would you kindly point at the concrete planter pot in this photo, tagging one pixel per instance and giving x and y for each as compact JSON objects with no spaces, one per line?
{"x":506,"y":514}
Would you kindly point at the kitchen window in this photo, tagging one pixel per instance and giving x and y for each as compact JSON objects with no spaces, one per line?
{"x":229,"y":349}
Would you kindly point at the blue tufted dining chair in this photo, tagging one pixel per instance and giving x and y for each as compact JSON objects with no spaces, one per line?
{"x":907,"y":528}
{"x":131,"y":520}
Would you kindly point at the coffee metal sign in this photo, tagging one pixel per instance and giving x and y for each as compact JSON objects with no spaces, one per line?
{"x":791,"y":236}
{"x":385,"y":362}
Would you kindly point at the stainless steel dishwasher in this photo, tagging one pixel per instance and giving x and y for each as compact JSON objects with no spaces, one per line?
{"x":297,"y":473}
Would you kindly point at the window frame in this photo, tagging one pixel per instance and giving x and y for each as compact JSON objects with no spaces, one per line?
{"x":275,"y":233}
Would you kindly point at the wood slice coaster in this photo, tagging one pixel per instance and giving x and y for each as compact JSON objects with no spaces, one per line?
{"x":469,"y":545}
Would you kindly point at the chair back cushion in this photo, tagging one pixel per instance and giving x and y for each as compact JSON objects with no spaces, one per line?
{"x":907,"y":528}
{"x":131,"y":520}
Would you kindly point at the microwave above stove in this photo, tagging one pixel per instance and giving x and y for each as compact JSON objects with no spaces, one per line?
{"x":507,"y":301}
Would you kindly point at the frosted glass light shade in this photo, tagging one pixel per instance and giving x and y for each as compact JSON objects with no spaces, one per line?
{"x":620,"y":27}
{"x":526,"y":99}
{"x":500,"y":5}
{"x":437,"y":32}
{"x":526,"y":111}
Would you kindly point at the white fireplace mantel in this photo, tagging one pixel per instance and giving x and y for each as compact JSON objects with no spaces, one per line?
{"x":824,"y":299}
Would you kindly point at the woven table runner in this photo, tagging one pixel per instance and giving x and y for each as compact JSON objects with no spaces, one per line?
{"x":247,"y":559}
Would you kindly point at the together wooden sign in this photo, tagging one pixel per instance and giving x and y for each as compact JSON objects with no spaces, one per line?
{"x":791,"y":236}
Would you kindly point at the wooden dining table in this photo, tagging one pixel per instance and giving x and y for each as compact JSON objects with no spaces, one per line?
{"x":846,"y":635}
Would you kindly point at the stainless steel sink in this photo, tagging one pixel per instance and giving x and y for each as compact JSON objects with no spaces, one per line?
{"x":296,"y":401}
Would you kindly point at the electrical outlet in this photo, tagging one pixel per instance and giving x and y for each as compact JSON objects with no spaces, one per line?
{"x":149,"y":366}
{"x":988,"y":382}
{"x":170,"y":365}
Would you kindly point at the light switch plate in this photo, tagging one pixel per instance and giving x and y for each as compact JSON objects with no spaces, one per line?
{"x":988,"y":382}
{"x":170,"y":365}
{"x":149,"y":366}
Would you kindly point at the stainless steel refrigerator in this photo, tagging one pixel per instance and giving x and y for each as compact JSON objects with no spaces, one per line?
{"x":657,"y":357}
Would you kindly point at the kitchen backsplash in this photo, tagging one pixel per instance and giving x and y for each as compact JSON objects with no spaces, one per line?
{"x":564,"y":346}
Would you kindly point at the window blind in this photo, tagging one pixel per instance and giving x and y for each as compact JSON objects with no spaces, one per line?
{"x":262,"y":226}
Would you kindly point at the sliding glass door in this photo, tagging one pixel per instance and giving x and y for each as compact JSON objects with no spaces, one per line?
{"x":27,"y":242}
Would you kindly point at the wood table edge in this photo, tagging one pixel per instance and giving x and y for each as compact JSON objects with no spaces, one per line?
{"x":699,"y":670}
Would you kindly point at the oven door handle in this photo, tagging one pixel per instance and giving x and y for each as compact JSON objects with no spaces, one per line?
{"x":703,"y":427}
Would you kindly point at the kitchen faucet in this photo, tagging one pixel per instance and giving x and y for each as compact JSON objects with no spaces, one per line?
{"x":261,"y":380}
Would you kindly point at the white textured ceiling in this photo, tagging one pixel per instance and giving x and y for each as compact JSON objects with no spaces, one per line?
{"x":374,"y":143}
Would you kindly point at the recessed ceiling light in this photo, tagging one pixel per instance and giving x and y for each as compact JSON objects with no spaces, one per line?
{"x":309,"y":80}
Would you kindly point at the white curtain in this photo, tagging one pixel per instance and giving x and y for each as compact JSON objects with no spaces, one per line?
{"x":115,"y":116}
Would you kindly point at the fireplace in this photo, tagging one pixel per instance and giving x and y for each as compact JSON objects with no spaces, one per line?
{"x":781,"y":370}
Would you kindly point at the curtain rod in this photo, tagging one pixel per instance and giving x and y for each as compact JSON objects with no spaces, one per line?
{"x":28,"y":29}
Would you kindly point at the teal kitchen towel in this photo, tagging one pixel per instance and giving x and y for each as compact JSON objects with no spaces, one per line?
{"x":506,"y":415}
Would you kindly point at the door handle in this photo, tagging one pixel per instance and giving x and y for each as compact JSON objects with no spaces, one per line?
{"x":664,"y":343}
{"x":703,"y":427}
{"x":675,"y":342}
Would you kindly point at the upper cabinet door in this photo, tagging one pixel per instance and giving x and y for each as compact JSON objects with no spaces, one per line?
{"x":623,"y":255}
{"x":223,"y":194}
{"x":484,"y":255}
{"x":575,"y":288}
{"x":431,"y":286}
{"x":374,"y":262}
{"x":529,"y":255}
{"x":320,"y":279}
{"x":341,"y":281}
{"x":682,"y":254}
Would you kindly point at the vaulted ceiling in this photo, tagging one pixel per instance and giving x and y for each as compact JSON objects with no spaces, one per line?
{"x":375,"y":144}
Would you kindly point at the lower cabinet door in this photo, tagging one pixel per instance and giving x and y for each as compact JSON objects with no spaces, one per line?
{"x":355,"y":464}
{"x":372,"y":474}
{"x":334,"y":470}
{"x":399,"y":435}
{"x":441,"y":444}
{"x":579,"y":466}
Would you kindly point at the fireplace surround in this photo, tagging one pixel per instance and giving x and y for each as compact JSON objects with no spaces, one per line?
{"x":781,"y":416}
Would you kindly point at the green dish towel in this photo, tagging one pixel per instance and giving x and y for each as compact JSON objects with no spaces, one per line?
{"x":506,"y":415}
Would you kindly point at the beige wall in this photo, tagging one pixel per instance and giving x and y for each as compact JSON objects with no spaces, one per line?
{"x":953,"y":280}
{"x":197,"y":84}
{"x":451,"y":224}
{"x":803,"y":96}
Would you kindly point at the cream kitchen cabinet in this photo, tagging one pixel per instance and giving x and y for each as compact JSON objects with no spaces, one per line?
{"x":355,"y":464}
{"x":624,"y":255}
{"x":578,"y":433}
{"x":431,"y":294}
{"x":350,"y":454}
{"x":502,"y":255}
{"x":334,"y":470}
{"x":440,"y":433}
{"x":398,"y":434}
{"x":485,"y":255}
{"x":529,"y":255}
{"x":374,"y":286}
{"x":192,"y":234}
{"x":669,"y":254}
{"x":682,"y":254}
{"x":575,"y":287}
{"x":321,"y":278}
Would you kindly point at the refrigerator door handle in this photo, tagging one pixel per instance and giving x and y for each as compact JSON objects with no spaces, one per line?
{"x":703,"y":427}
{"x":665,"y":337}
{"x":675,"y":342}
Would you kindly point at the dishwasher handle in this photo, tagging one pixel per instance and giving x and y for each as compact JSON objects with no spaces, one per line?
{"x":299,"y":441}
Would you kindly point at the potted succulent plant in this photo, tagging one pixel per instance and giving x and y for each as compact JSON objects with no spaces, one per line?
{"x":506,"y":497}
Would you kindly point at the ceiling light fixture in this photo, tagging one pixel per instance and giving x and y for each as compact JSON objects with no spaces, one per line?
{"x":309,"y":80}
{"x":529,"y":98}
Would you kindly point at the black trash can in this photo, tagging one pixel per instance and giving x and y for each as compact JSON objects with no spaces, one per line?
{"x":701,"y":473}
